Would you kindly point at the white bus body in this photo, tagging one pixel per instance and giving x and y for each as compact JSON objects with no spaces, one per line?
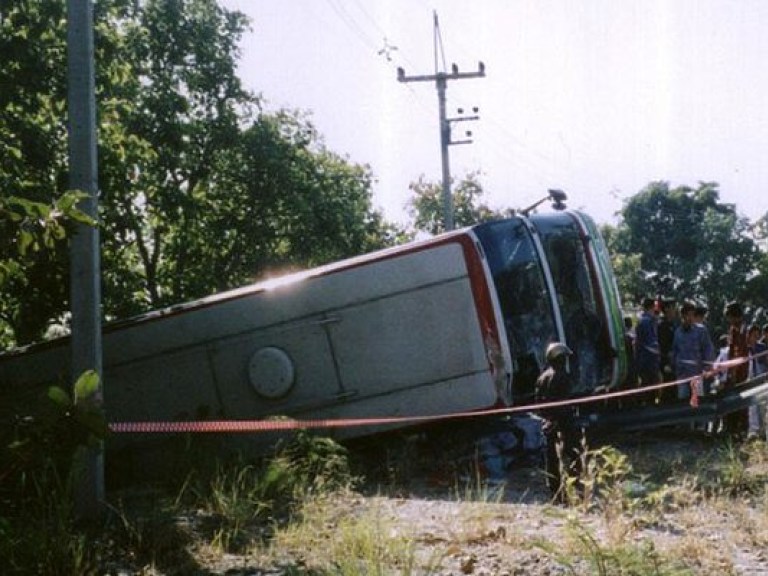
{"x":408,"y":331}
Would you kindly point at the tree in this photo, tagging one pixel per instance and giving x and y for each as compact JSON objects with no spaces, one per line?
{"x":200,"y":189}
{"x":689,"y":245}
{"x":426,"y":205}
{"x":632,"y":281}
{"x":182,"y":103}
{"x":29,"y":232}
{"x":31,"y":132}
{"x":277,"y":199}
{"x":757,"y":283}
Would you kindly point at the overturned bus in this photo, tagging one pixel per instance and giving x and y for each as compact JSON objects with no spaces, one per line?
{"x":459,"y":322}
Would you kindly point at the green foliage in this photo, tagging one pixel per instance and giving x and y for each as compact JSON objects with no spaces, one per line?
{"x":426,"y":205}
{"x":242,"y":497}
{"x":36,"y":485}
{"x":586,"y":554}
{"x":357,"y":544}
{"x":32,"y":240}
{"x":51,"y":439}
{"x":684,"y":243}
{"x":279,"y":200}
{"x":600,"y":482}
{"x":735,"y":470}
{"x":201,"y":190}
{"x":32,"y":157}
{"x":604,"y":474}
{"x":40,"y":537}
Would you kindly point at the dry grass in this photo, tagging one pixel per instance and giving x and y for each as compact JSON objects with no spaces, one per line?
{"x":684,"y":507}
{"x":666,"y":507}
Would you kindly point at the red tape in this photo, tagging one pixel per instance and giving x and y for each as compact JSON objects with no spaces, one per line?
{"x":275,"y":425}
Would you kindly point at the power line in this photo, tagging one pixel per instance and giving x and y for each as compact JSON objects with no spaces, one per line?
{"x":370,"y":18}
{"x":352,"y":24}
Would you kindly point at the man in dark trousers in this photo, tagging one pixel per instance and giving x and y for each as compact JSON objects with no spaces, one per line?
{"x":666,"y":334}
{"x":647,"y":353}
{"x":560,"y":430}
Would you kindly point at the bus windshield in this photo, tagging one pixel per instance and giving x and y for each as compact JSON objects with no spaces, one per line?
{"x":578,"y":299}
{"x":523,"y":296}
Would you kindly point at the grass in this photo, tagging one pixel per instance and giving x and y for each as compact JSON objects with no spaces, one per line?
{"x":331,"y":537}
{"x":39,"y":534}
{"x":582,"y":552}
{"x":631,"y":512}
{"x":685,"y":514}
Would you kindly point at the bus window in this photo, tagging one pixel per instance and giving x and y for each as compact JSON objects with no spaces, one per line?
{"x":523,"y":297}
{"x":578,"y":298}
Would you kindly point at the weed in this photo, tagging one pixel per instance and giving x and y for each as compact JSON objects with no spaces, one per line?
{"x":742,"y":469}
{"x":475,"y":486}
{"x":334,"y":537}
{"x":39,"y":532}
{"x":600,"y":481}
{"x":585,"y":554}
{"x":241,"y":498}
{"x":40,"y":536}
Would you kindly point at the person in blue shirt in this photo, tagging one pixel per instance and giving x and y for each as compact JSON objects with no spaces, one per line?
{"x":647,"y":358}
{"x":692,"y":349}
{"x":668,"y":323}
{"x":647,"y":354}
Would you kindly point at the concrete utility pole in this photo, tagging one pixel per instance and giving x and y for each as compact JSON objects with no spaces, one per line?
{"x":441,"y":82}
{"x":85,"y":272}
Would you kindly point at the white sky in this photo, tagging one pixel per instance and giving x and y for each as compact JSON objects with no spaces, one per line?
{"x":595,"y":97}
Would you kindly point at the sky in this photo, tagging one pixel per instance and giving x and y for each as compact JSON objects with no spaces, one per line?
{"x":597,"y":98}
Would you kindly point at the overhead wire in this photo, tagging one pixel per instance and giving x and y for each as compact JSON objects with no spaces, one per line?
{"x":355,"y":27}
{"x":526,"y":158}
{"x":540,"y":165}
{"x":338,"y":7}
{"x":371,"y":19}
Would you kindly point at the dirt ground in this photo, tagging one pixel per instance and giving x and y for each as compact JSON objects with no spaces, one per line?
{"x":460,"y":519}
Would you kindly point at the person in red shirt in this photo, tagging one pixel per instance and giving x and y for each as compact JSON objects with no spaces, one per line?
{"x":736,"y":422}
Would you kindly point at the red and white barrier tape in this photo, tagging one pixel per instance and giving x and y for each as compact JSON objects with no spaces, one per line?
{"x":239,"y":426}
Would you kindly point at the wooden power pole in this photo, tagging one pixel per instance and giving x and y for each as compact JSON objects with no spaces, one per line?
{"x":441,"y":82}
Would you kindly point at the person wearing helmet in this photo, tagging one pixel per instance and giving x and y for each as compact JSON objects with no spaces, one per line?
{"x":560,"y":431}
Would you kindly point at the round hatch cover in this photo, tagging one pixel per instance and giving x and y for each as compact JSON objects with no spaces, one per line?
{"x":271,"y":372}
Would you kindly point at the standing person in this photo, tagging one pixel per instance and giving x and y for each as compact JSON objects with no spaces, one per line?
{"x":629,"y":347}
{"x":736,"y":423}
{"x":666,"y":330}
{"x":700,"y":317}
{"x":721,"y":378}
{"x":758,"y":365}
{"x":647,"y":353}
{"x":560,"y":431}
{"x":692,"y":350}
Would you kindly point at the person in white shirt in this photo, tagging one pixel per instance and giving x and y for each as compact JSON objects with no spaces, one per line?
{"x":758,"y":365}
